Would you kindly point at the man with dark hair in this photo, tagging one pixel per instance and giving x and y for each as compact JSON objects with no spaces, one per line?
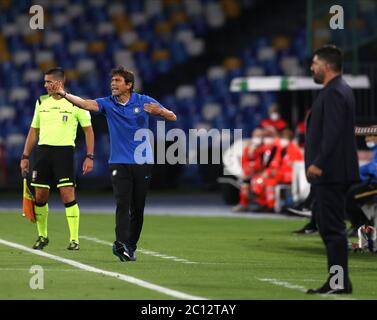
{"x":54,"y":126}
{"x":333,"y":57}
{"x":127,"y":75}
{"x":58,"y":73}
{"x":331,"y":163}
{"x":126,"y":112}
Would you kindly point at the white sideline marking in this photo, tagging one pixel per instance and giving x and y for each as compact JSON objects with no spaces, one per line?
{"x":288,"y":285}
{"x":120,"y":276}
{"x":44,"y":269}
{"x":144,"y":251}
{"x":284,"y":284}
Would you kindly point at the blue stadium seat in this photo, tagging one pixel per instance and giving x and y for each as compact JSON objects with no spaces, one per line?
{"x":93,"y":83}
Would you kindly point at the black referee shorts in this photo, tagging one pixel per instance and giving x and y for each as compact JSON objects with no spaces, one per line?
{"x":54,"y":166}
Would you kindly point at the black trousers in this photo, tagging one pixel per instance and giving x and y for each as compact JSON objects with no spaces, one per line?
{"x":329,"y":209}
{"x":358,"y":195}
{"x":130,"y":185}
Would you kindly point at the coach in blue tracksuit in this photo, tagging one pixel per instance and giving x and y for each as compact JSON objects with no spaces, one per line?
{"x":130,"y":159}
{"x":364,"y":191}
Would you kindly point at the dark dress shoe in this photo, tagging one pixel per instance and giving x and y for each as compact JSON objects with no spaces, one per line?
{"x":307,"y":229}
{"x":326,"y":289}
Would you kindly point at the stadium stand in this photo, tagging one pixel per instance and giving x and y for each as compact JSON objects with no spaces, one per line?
{"x":154,"y":38}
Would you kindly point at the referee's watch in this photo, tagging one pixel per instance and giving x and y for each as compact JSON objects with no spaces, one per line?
{"x":90,"y":156}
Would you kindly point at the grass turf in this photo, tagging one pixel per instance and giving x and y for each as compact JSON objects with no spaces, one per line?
{"x":235,"y":259}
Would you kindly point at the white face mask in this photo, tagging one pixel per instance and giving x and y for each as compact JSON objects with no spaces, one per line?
{"x":371,"y":144}
{"x":256,"y":141}
{"x":284,"y":142}
{"x":274,"y":116}
{"x":268,"y":140}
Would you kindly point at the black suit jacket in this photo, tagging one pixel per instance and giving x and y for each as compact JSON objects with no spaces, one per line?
{"x":330,"y":137}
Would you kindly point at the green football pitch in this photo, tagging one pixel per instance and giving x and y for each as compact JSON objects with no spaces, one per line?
{"x":177,"y":258}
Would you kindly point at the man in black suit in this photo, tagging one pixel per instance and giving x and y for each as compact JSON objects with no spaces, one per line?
{"x":331,"y":162}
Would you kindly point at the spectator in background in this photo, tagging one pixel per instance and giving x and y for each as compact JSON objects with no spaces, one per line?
{"x":290,"y":152}
{"x":252,"y":162}
{"x":363,"y":192}
{"x":304,"y":208}
{"x":279,"y":171}
{"x":357,"y":196}
{"x":275,"y":119}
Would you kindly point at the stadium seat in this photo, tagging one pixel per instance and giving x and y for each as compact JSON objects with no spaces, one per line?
{"x":14,"y":144}
{"x":18,"y":93}
{"x":7,"y":113}
{"x":150,"y":37}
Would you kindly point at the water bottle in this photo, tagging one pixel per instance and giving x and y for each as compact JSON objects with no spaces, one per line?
{"x":367,"y":237}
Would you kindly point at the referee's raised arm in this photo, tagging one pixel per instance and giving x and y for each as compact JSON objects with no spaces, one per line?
{"x":87,"y":104}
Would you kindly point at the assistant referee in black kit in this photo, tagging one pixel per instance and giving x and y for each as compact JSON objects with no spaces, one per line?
{"x":331,"y":163}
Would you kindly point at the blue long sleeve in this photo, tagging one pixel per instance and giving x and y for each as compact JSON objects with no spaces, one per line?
{"x":369,"y":170}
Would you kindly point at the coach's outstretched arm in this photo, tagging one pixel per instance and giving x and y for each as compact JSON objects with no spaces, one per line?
{"x":87,"y":104}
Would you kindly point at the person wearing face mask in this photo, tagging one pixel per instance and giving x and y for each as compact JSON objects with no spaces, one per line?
{"x":252,"y":162}
{"x":363,"y":192}
{"x":279,"y":170}
{"x":270,"y":152}
{"x":275,"y":120}
{"x":291,"y":152}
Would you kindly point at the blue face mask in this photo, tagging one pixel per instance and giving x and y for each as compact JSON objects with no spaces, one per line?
{"x":371,"y":144}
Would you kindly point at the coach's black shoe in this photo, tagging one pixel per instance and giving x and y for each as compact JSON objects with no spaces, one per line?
{"x":307,"y":229}
{"x":40,"y":243}
{"x":326,"y":289}
{"x":73,"y":245}
{"x":123,"y":252}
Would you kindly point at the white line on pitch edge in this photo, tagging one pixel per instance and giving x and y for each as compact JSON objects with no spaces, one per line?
{"x":44,"y":269}
{"x":288,"y":285}
{"x":144,"y":251}
{"x":116,"y":275}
